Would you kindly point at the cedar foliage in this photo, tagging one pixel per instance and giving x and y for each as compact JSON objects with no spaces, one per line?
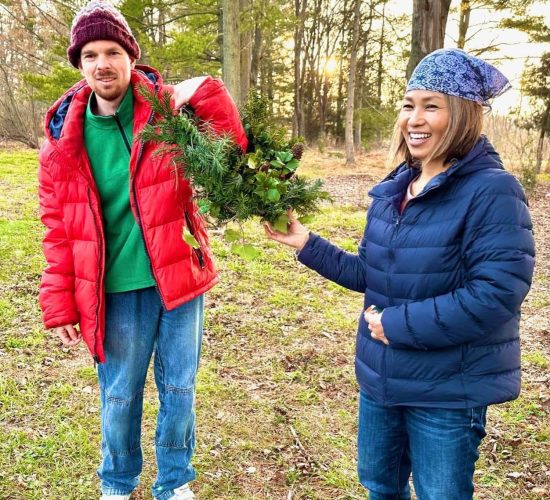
{"x":231,"y":184}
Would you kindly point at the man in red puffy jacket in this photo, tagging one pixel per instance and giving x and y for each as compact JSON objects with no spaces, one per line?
{"x":114,"y":213}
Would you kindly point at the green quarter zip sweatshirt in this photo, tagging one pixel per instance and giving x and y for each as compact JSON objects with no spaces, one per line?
{"x":108,"y":142}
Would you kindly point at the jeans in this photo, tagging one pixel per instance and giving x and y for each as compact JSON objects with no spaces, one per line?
{"x":439,"y":446}
{"x":136,"y":326}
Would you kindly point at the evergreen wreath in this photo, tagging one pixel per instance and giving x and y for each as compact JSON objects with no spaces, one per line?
{"x":229,"y":184}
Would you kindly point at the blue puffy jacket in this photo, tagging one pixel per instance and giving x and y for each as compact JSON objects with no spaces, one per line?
{"x":451,"y":273}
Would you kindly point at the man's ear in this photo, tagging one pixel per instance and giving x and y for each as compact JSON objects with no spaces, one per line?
{"x":132,"y":63}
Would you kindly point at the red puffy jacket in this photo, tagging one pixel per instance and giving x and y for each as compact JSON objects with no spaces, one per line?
{"x":72,"y":288}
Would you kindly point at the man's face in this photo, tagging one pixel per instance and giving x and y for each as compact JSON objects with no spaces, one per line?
{"x":106,"y":66}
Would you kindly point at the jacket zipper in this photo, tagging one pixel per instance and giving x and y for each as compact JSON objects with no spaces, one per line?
{"x":397,"y":225}
{"x":388,"y":283}
{"x":122,"y":133}
{"x":134,"y":194}
{"x":197,"y":251}
{"x":98,"y":289}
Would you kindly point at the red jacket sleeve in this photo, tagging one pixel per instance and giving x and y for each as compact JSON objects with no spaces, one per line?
{"x":56,"y":294}
{"x":212,"y":103}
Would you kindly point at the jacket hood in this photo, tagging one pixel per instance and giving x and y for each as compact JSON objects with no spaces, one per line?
{"x":57,"y":114}
{"x":482,"y":156}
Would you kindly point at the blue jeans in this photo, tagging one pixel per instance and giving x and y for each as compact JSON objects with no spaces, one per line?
{"x":136,"y":325}
{"x":439,"y":446}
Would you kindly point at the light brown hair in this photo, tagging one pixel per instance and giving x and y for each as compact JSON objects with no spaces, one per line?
{"x":463,"y":131}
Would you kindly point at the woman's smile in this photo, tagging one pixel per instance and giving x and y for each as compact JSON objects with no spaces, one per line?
{"x":423,"y":120}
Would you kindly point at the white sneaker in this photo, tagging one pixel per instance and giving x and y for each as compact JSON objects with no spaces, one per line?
{"x":115,"y":497}
{"x":183,"y":493}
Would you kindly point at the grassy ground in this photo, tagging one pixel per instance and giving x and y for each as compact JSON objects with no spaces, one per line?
{"x":277,"y":395}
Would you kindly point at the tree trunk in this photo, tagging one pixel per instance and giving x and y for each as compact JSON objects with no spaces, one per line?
{"x":231,"y":68}
{"x":246,"y":50}
{"x":545,"y":124}
{"x":298,"y":127}
{"x":540,"y":148}
{"x":359,"y":94}
{"x":340,"y":104}
{"x":464,"y":22}
{"x":350,"y":156}
{"x":357,"y":144}
{"x":381,"y":56}
{"x":256,"y":54}
{"x":428,"y":29}
{"x":266,"y":78}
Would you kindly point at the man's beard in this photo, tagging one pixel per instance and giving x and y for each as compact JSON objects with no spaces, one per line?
{"x":110,"y":94}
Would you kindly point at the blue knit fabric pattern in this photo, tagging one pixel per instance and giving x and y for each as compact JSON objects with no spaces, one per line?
{"x":457,"y":73}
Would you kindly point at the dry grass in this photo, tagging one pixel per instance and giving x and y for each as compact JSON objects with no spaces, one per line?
{"x":276,"y":393}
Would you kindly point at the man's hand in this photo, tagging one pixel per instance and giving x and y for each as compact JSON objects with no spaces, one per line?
{"x":296,"y":236}
{"x":374,"y":320}
{"x":68,"y":334}
{"x":183,"y":91}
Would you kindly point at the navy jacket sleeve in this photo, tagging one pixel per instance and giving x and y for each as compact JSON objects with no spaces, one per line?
{"x":333,"y":263}
{"x":498,"y":261}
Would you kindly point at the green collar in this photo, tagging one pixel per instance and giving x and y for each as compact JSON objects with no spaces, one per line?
{"x":125,"y":112}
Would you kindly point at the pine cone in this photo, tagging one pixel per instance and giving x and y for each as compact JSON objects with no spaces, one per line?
{"x":297,"y":150}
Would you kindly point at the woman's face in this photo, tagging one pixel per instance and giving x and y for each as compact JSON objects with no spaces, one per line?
{"x":423,"y":120}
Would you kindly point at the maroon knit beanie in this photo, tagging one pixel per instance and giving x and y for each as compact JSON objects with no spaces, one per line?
{"x":99,"y":20}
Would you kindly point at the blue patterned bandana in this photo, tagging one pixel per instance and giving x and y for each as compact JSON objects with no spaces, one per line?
{"x":454,"y":72}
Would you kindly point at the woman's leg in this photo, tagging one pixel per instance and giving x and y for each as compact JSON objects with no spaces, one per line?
{"x":383,"y":459}
{"x":444,"y":449}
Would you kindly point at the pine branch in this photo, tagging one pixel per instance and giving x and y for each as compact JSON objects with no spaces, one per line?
{"x":233,"y":185}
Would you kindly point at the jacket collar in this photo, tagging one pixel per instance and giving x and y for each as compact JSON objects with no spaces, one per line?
{"x":481,"y":156}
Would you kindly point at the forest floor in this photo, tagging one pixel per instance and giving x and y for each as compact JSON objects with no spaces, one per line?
{"x":276,"y":394}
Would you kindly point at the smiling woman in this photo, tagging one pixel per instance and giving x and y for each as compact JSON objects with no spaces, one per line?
{"x":445,"y":262}
{"x":422,"y":123}
{"x":434,"y":128}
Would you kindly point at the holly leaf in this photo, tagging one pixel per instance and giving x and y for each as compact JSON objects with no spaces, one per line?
{"x":306,"y":219}
{"x":281,"y":224}
{"x":249,"y":252}
{"x":292,"y":164}
{"x":277,"y":163}
{"x":273,"y":195}
{"x":284,"y":156}
{"x":189,"y":238}
{"x":236,"y":249}
{"x":252,"y":161}
{"x":246,"y":252}
{"x":204,"y":207}
{"x":231,"y":235}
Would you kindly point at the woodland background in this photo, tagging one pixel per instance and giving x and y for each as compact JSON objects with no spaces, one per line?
{"x":276,"y":393}
{"x":333,"y":70}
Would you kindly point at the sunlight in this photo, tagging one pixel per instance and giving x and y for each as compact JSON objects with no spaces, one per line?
{"x":330,"y":66}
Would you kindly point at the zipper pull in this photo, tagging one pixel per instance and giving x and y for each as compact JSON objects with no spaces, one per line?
{"x":398,"y":220}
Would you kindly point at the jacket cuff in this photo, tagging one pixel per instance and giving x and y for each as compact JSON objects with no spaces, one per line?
{"x":308,"y":255}
{"x":397,"y":331}
{"x":67,"y":319}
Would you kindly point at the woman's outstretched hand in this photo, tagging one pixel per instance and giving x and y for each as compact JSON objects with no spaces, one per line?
{"x":296,"y":236}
